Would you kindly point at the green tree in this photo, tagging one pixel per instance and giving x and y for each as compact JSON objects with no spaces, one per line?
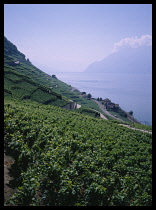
{"x":54,"y":76}
{"x":89,"y":95}
{"x":131,"y":113}
{"x":28,"y":60}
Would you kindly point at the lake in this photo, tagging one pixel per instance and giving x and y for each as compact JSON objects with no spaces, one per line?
{"x":130,"y":91}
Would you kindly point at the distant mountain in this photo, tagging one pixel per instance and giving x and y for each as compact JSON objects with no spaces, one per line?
{"x":127,"y":60}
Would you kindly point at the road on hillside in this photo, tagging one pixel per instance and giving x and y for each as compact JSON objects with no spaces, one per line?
{"x":101,"y":115}
{"x":128,"y":126}
{"x":105,"y":111}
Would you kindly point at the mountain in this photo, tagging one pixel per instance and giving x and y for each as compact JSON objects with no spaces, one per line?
{"x":11,"y":52}
{"x":22,"y":80}
{"x":127,"y":60}
{"x":12,"y":55}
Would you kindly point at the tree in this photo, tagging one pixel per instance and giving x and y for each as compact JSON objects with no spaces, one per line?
{"x":28,"y":60}
{"x":54,"y":76}
{"x":89,"y":95}
{"x":131,"y":113}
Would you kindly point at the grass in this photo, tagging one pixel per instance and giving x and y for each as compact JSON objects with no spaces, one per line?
{"x":119,"y":116}
{"x":141,"y":126}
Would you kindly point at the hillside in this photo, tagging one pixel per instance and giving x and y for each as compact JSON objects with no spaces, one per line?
{"x":128,"y":60}
{"x":56,"y":157}
{"x":12,"y":55}
{"x":24,"y":81}
{"x":17,"y":85}
{"x":67,"y":159}
{"x":39,"y":82}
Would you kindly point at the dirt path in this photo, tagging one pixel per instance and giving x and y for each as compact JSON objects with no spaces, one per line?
{"x":8,"y":161}
{"x":105,"y":111}
{"x":128,"y":126}
{"x":101,"y":115}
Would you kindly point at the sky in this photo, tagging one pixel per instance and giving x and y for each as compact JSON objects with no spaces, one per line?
{"x":69,"y":37}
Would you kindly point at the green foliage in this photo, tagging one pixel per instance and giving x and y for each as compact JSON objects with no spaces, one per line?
{"x":89,"y":95}
{"x":119,"y":115}
{"x":21,"y":74}
{"x":63,"y":158}
{"x":141,"y":126}
{"x":20,"y":86}
{"x":131,"y":113}
{"x":54,"y":76}
{"x":10,"y":49}
{"x":119,"y":111}
{"x":88,"y":112}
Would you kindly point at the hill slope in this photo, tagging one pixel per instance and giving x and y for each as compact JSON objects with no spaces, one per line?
{"x":129,"y":60}
{"x":24,"y":81}
{"x":67,"y":159}
{"x":17,"y":85}
{"x":12,"y":55}
{"x":50,"y":85}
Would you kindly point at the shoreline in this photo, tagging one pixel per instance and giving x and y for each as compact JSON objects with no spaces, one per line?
{"x":129,"y":97}
{"x":131,"y":118}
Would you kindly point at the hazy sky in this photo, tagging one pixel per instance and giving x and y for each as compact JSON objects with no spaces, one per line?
{"x":68,"y":37}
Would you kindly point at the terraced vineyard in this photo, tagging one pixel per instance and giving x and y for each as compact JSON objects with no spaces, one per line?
{"x":19,"y":86}
{"x":26,"y":77}
{"x":68,"y":158}
{"x":65,"y":158}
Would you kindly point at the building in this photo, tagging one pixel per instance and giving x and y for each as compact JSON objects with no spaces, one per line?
{"x":17,"y":62}
{"x":110,"y":105}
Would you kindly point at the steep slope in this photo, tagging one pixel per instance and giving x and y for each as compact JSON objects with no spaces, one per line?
{"x":19,"y":86}
{"x":24,"y":81}
{"x":12,"y":55}
{"x":67,"y":159}
{"x":62,"y":158}
{"x":129,"y":60}
{"x":15,"y":63}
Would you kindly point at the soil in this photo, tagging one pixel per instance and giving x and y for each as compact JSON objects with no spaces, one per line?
{"x":8,"y":161}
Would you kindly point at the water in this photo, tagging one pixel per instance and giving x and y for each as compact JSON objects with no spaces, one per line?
{"x":130,"y":91}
